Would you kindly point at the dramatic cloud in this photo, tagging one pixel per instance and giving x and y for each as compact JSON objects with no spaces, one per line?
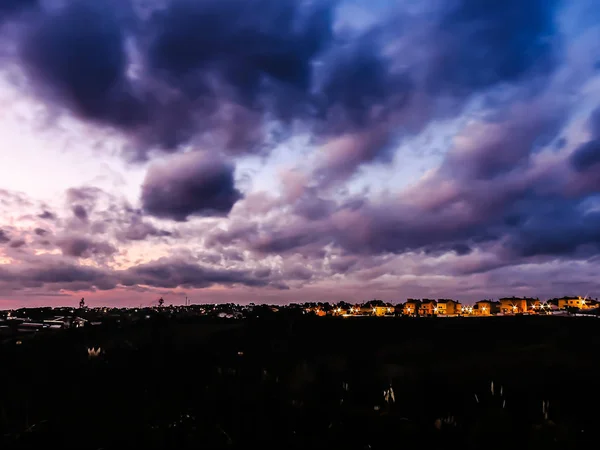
{"x":40,"y":231}
{"x":80,"y":212}
{"x":157,"y":274}
{"x":171,"y":274}
{"x":190,"y":184}
{"x":228,"y":69}
{"x":4,"y":237}
{"x":336,"y":147}
{"x":83,"y":247}
{"x":138,"y":230}
{"x":47,"y":215}
{"x":484,"y":44}
{"x":10,"y":7}
{"x":587,"y":155}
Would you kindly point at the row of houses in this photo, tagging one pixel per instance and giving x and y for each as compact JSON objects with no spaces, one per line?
{"x":449,"y":307}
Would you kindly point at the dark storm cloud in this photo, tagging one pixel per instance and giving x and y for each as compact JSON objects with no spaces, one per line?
{"x":558,"y":227}
{"x":76,"y":57}
{"x":4,"y":238}
{"x":80,"y":212}
{"x":594,"y":122}
{"x":47,"y":215}
{"x":491,"y":191}
{"x":378,"y":98}
{"x":192,"y":184}
{"x":163,"y":273}
{"x":195,"y":57}
{"x":239,"y":42}
{"x":174,"y":273}
{"x":58,"y":272}
{"x":17,"y":243}
{"x":11,"y":7}
{"x":227,"y":68}
{"x":587,"y":155}
{"x":358,"y":79}
{"x":83,"y":247}
{"x":485,"y":43}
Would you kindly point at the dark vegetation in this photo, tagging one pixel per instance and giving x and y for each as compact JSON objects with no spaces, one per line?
{"x":306,"y":382}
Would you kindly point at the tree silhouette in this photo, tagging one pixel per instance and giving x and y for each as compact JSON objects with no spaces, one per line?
{"x":161,"y":302}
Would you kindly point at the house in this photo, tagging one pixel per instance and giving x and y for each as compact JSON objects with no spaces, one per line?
{"x":339,"y":311}
{"x":575,"y":302}
{"x":386,"y":309}
{"x":486,"y":308}
{"x":365,"y":310}
{"x":428,"y":307}
{"x":533,"y":304}
{"x":377,"y":308}
{"x":317,"y":311}
{"x":514,"y":305}
{"x":411,"y":307}
{"x":355,"y":310}
{"x":447,"y":307}
{"x":466,"y":310}
{"x":591,"y":303}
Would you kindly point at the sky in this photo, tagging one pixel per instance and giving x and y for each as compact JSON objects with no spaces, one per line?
{"x":277,"y":151}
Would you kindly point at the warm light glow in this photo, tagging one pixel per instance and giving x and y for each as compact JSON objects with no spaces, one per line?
{"x":93,"y":352}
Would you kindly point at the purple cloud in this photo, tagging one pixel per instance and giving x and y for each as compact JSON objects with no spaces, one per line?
{"x":196,"y":90}
{"x":164,"y":273}
{"x":587,"y":156}
{"x":40,"y":231}
{"x":47,"y":215}
{"x":491,"y":189}
{"x":138,"y":230}
{"x":191,"y":184}
{"x":82,"y":247}
{"x":18,"y":243}
{"x":4,"y":237}
{"x":80,"y":212}
{"x":235,"y":71}
{"x":11,"y":7}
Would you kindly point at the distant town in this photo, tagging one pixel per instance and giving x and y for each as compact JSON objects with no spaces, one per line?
{"x":28,"y":321}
